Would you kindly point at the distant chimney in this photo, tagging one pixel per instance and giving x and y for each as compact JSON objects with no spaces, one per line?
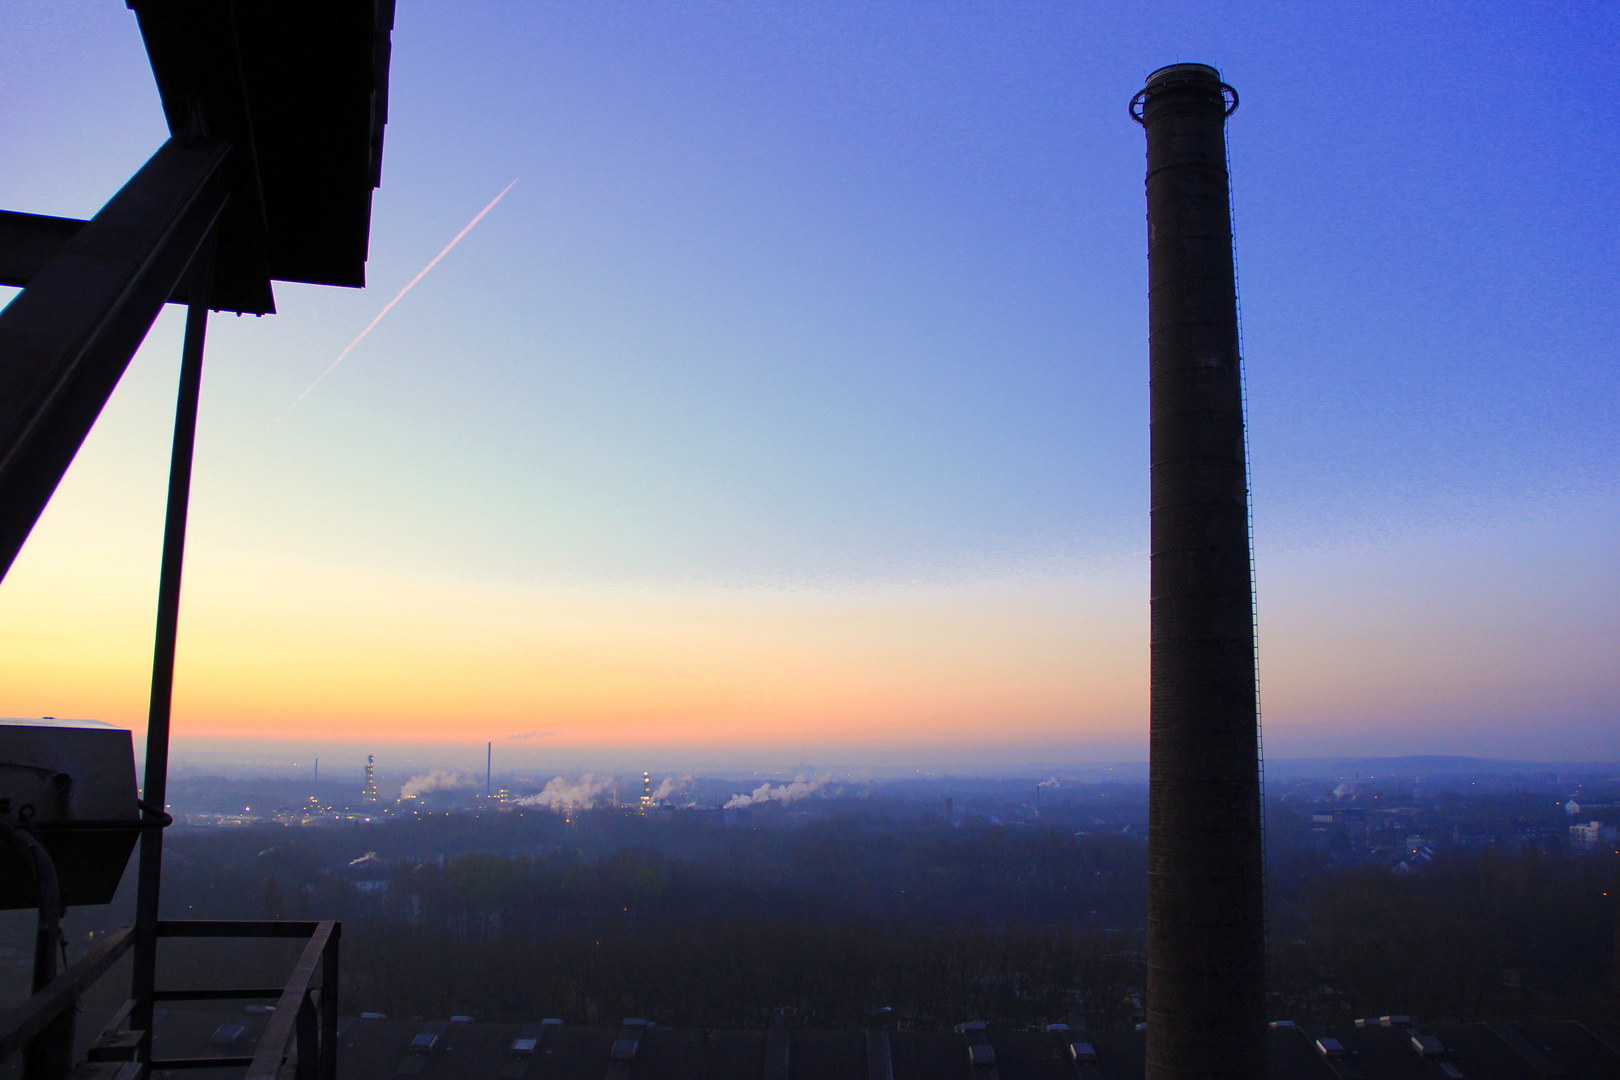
{"x":1206,"y":909}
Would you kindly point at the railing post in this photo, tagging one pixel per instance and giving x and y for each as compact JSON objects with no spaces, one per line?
{"x":149,"y":869}
{"x":48,"y":1055}
{"x":329,"y":1005}
{"x":308,"y":1037}
{"x":296,"y":1022}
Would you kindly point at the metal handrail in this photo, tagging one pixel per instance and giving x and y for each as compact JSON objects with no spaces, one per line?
{"x":59,"y":995}
{"x":295,"y":1011}
{"x":310,"y":1028}
{"x":304,"y":1021}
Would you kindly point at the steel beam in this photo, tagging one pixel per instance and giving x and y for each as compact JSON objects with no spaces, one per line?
{"x":156,"y":783}
{"x":246,"y":994}
{"x":237,"y":928}
{"x":28,"y":242}
{"x":67,"y":338}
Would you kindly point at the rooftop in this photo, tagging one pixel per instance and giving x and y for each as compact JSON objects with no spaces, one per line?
{"x":379,"y":1049}
{"x":300,"y":89}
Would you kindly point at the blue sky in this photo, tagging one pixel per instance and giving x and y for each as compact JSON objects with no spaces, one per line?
{"x":848,"y":301}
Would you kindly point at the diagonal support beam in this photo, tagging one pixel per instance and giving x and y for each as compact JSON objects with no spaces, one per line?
{"x":67,"y":338}
{"x":28,"y":242}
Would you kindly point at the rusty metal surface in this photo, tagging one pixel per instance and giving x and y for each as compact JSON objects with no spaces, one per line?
{"x":1206,"y":949}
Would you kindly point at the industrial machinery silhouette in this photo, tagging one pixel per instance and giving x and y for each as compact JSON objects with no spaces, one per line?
{"x":276,"y":114}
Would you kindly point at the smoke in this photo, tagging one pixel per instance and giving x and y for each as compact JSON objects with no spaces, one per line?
{"x":437,"y":780}
{"x":1052,"y":782}
{"x":784,"y":793}
{"x":668,"y":786}
{"x":561,"y":793}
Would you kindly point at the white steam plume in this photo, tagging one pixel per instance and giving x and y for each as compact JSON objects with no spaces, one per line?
{"x":437,"y":780}
{"x":668,"y":786}
{"x":783,"y":793}
{"x":563,"y":794}
{"x":1053,"y":782}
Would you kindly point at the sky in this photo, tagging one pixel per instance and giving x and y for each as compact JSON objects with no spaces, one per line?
{"x":792,"y":405}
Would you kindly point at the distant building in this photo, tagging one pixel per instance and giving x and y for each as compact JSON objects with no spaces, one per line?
{"x":368,"y":794}
{"x":646,"y":792}
{"x":1593,"y":835}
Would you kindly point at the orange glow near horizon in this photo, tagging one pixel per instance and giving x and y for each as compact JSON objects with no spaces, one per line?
{"x":276,"y":648}
{"x":793,"y":407}
{"x":1381,"y":649}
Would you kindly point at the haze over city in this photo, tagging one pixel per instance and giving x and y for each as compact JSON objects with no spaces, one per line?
{"x":790,"y":408}
{"x":742,"y":552}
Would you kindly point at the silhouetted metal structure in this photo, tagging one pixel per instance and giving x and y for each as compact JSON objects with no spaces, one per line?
{"x":276,"y":115}
{"x":1206,"y":908}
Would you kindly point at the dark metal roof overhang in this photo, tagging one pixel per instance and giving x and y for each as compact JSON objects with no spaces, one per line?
{"x":276,"y":111}
{"x":299,"y":88}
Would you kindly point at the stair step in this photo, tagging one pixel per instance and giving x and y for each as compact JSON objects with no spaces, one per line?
{"x":119,"y":1046}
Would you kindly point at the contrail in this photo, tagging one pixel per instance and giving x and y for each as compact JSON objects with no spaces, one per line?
{"x":401,"y":295}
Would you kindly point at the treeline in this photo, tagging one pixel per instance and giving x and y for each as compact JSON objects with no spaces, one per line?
{"x":821,"y":923}
{"x":824,"y":872}
{"x":1482,"y":936}
{"x":853,"y":866}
